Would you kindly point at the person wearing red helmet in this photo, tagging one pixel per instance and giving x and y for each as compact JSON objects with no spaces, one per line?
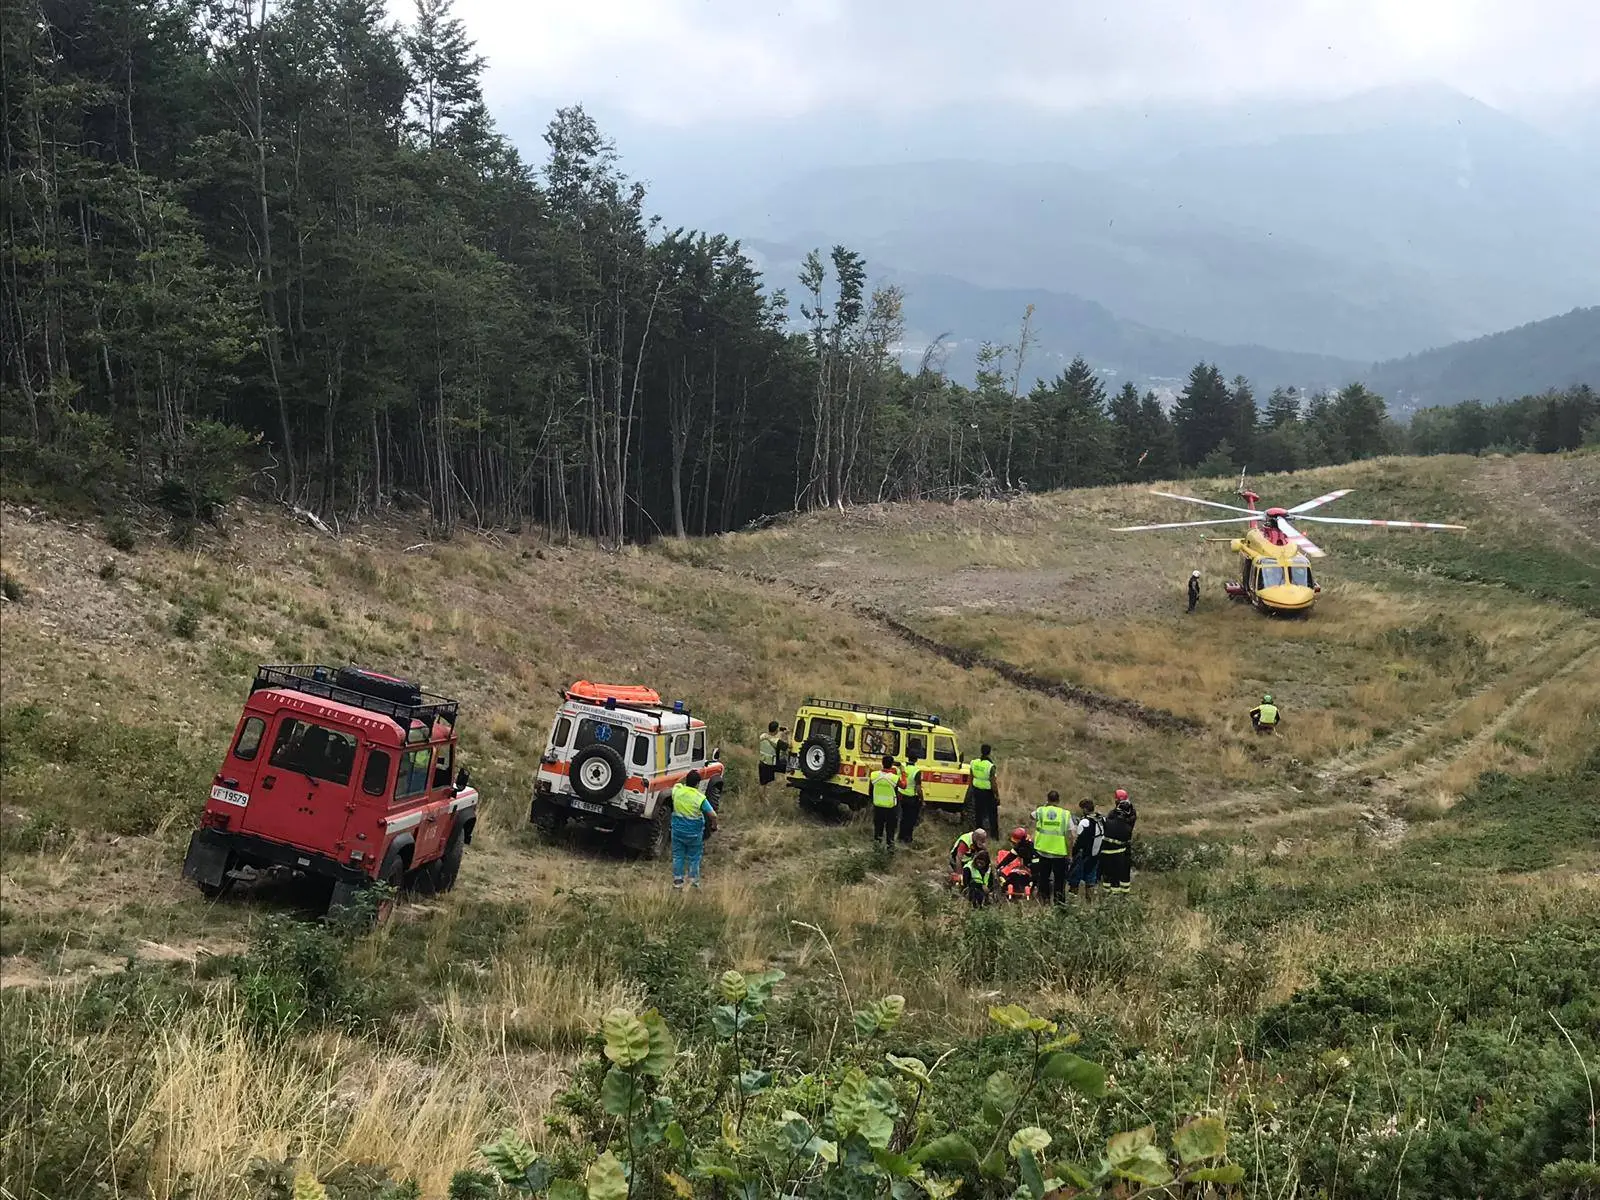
{"x":1116,"y":847}
{"x":1015,"y":864}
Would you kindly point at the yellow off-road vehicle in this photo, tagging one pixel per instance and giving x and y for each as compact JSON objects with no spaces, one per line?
{"x":841,"y":744}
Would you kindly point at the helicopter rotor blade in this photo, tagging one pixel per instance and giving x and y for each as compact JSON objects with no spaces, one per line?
{"x":1210,"y":503}
{"x":1381,"y":524}
{"x":1187,"y":524}
{"x":1299,"y":539}
{"x":1320,"y":500}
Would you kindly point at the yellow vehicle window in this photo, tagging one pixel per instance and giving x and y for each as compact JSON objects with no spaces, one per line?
{"x":916,"y":747}
{"x":850,"y":738}
{"x":944,"y":748}
{"x":1270,"y":577}
{"x":880,"y":741}
{"x":822,"y":727}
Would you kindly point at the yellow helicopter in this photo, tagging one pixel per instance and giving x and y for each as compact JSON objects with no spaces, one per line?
{"x":1276,"y":577}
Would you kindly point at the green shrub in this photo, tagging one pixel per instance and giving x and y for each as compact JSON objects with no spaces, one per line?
{"x":296,"y":975}
{"x":186,"y":622}
{"x":1176,"y":851}
{"x":120,"y":535}
{"x":108,"y":570}
{"x":11,"y":587}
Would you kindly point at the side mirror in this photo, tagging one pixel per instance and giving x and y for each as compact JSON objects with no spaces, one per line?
{"x":716,"y":754}
{"x":462,"y":776}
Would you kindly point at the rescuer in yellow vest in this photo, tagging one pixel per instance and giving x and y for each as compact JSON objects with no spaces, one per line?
{"x":692,"y":814}
{"x":1264,"y":717}
{"x":771,"y":750}
{"x":1052,"y":833}
{"x":882,"y":786}
{"x":910,"y":794}
{"x":983,"y":794}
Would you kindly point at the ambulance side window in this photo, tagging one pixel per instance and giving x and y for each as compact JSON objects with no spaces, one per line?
{"x":680,"y":748}
{"x":641,"y":750}
{"x":944,"y":748}
{"x":562,"y":735}
{"x":916,"y":747}
{"x":699,"y":745}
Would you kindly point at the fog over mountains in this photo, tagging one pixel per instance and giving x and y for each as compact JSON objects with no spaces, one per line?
{"x":1295,"y":243}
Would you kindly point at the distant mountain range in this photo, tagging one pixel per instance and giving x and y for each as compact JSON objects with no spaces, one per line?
{"x":1351,"y":231}
{"x":1554,"y":353}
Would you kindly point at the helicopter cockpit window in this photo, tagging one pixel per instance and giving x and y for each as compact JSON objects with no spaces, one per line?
{"x":1270,"y":577}
{"x":1300,"y":576}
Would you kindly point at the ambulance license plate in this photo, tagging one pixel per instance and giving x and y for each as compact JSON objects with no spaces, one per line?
{"x":229,"y":796}
{"x":585,"y":806}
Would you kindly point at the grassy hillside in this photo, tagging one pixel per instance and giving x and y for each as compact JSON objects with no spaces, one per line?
{"x":1338,"y":943}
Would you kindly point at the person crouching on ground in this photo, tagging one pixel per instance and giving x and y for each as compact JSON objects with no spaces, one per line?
{"x":964,"y":848}
{"x":977,"y":879}
{"x":692,"y":818}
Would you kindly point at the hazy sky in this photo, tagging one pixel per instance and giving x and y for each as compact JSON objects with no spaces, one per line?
{"x":683,"y":62}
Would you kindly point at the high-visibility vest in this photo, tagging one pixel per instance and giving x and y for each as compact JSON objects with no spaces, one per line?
{"x":1050,"y":831}
{"x":908,"y":780}
{"x":769,"y":750}
{"x":882,"y":786}
{"x":687,"y":802}
{"x":977,"y":878}
{"x":1268,"y":713}
{"x":961,"y":849}
{"x":982,"y":774}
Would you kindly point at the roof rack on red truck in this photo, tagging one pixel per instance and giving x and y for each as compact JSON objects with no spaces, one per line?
{"x":341,"y":773}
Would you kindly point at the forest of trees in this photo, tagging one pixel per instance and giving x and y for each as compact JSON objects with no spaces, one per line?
{"x":280,"y":244}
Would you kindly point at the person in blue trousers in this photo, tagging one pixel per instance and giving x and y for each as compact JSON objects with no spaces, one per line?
{"x":692,"y":818}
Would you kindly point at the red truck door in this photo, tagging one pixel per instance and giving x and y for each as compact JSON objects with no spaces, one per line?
{"x":302,"y":790}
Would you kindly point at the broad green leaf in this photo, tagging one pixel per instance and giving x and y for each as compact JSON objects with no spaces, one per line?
{"x":1000,"y":1092}
{"x":618,"y":1092}
{"x":724,"y":1021}
{"x":1019,"y":1020}
{"x":939,"y":1189}
{"x":1200,"y":1139}
{"x":606,"y":1179}
{"x":897,"y":1165}
{"x":680,"y":1186}
{"x":913,"y":1069}
{"x":876,"y":1126}
{"x":762,"y":983}
{"x":880,"y":1094}
{"x":890,"y":1010}
{"x":753,"y":1081}
{"x":730,"y":1132}
{"x":1032,"y":1179}
{"x":993,"y":1165}
{"x":1228,"y":1173}
{"x":537,"y":1177}
{"x":675,"y":1136}
{"x":865,"y":1022}
{"x":1079,"y":1074}
{"x":1029,"y":1137}
{"x":565,"y":1189}
{"x":1077,"y":1176}
{"x":510,"y":1156}
{"x":662,"y":1044}
{"x":733,"y":987}
{"x":827,"y":1151}
{"x":627,"y":1040}
{"x":1134,"y":1155}
{"x":306,"y":1187}
{"x":951,"y":1150}
{"x":651,"y":1127}
{"x":1065,"y":1042}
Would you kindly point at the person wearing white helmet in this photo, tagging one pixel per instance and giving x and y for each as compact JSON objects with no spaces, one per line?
{"x":1194,"y":589}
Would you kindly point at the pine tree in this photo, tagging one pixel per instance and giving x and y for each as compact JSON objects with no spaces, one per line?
{"x":1283,"y":407}
{"x":1204,"y":414}
{"x":1161,"y":439}
{"x":445,"y":72}
{"x":1243,"y":431}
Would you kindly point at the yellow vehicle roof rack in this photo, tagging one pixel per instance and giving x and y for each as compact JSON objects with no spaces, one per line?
{"x":902,"y":714}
